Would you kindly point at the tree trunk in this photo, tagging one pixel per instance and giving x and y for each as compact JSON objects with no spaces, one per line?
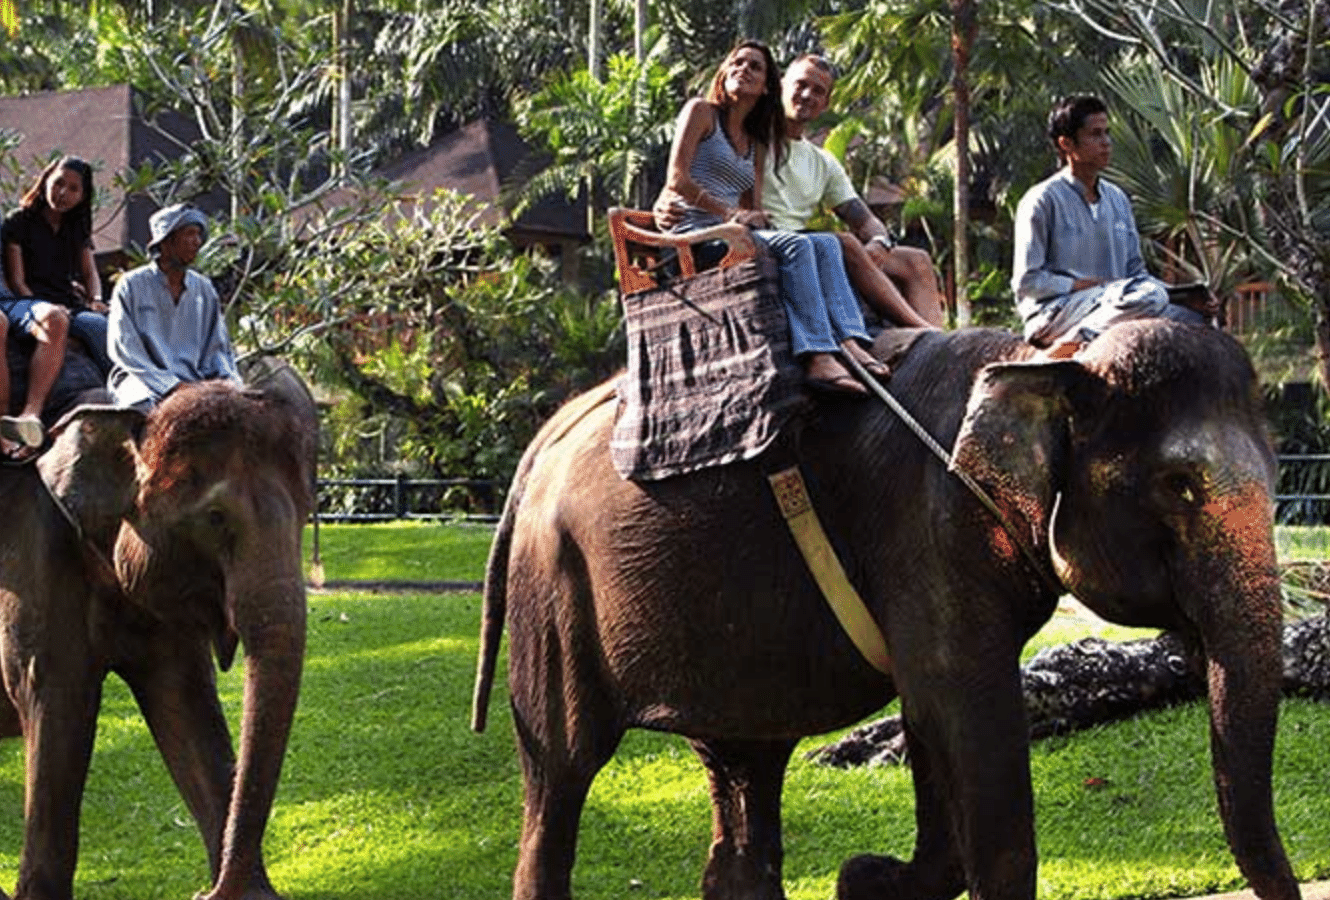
{"x":963,"y":28}
{"x":1089,"y":682}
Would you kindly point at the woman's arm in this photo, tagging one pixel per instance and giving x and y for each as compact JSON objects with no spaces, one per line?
{"x":14,"y":274}
{"x":92,"y":282}
{"x":694,"y":123}
{"x":750,"y":201}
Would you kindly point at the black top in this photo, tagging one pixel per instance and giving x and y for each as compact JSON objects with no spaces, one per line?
{"x":50,"y":258}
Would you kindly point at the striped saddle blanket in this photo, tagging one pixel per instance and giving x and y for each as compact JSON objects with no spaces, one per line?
{"x":710,"y":376}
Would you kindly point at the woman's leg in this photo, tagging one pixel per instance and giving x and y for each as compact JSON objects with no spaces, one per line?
{"x":51,"y":331}
{"x":811,"y":336}
{"x":847,"y":319}
{"x":800,"y":291}
{"x":4,"y":364}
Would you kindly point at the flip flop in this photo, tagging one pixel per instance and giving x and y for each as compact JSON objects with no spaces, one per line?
{"x":24,"y":430}
{"x":839,"y":384}
{"x":15,"y":454}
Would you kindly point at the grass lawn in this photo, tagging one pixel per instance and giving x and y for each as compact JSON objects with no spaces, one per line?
{"x":387,"y":795}
{"x":402,"y":551}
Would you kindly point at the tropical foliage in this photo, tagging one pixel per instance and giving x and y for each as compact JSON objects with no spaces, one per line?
{"x":1218,"y":107}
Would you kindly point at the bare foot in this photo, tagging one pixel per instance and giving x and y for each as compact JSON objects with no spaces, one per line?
{"x":824,"y":372}
{"x":872,"y":364}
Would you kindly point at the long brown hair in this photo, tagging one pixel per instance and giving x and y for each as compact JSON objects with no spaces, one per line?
{"x":765,"y":122}
{"x":78,"y":219}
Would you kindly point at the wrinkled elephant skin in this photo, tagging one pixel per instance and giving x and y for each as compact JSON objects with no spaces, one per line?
{"x":161,"y":543}
{"x":1138,"y":476}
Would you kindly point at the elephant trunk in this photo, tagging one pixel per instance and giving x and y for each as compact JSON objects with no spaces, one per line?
{"x":271,"y":625}
{"x":1240,"y":621}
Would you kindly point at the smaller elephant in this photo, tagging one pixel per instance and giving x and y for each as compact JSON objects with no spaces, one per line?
{"x":147,"y":547}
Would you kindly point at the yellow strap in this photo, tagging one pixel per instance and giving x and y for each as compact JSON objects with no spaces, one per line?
{"x":797,"y":508}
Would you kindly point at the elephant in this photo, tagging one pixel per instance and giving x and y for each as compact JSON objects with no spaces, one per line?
{"x":1137,"y":476}
{"x":147,"y":545}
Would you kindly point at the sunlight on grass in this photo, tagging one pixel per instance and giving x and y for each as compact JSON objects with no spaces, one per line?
{"x":402,"y":551}
{"x":387,"y":795}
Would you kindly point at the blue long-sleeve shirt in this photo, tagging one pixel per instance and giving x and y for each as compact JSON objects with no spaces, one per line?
{"x":1060,"y":238}
{"x":155,"y":342}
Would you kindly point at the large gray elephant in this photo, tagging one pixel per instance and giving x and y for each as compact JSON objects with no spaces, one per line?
{"x":147,"y":548}
{"x":1138,"y":477}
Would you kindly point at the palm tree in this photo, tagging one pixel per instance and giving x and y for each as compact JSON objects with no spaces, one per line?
{"x":606,"y":134}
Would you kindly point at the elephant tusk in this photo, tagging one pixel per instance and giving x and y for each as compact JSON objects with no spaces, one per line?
{"x":1061,"y":567}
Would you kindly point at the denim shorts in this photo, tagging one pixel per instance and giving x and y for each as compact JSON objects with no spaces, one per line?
{"x":19,"y":312}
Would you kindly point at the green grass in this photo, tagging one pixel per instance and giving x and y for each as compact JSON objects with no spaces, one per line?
{"x":452,"y":551}
{"x":1300,"y":543}
{"x":386,"y":794}
{"x":402,"y":551}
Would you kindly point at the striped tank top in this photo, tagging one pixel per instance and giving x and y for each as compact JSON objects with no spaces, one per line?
{"x":719,"y":170}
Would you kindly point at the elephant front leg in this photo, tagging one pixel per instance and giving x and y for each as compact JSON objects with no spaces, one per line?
{"x":746,"y":853}
{"x":935,"y":872}
{"x":176,"y":689}
{"x":59,"y":713}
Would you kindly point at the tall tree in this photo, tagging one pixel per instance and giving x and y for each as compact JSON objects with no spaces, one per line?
{"x":928,"y":92}
{"x":964,"y":24}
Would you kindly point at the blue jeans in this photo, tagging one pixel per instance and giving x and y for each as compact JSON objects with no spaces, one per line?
{"x":819,"y":301}
{"x":91,"y":328}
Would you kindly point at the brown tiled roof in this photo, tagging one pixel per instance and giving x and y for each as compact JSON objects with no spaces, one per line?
{"x":476,"y":160}
{"x":106,"y":127}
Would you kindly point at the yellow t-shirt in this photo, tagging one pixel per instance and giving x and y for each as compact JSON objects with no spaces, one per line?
{"x":810,"y":178}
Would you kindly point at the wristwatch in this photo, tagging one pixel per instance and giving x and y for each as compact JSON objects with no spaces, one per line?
{"x":883,"y":239}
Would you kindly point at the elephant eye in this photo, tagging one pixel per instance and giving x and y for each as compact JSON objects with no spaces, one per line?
{"x":1181,"y":487}
{"x":216,"y":518}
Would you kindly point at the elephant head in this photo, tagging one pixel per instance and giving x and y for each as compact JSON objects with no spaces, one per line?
{"x":198,"y":508}
{"x":1154,"y":501}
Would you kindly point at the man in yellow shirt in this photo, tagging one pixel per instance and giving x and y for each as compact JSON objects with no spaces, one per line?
{"x":810,"y":179}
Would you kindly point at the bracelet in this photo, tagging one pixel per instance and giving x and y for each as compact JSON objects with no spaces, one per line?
{"x":883,"y":239}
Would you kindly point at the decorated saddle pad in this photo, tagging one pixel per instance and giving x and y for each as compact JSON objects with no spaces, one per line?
{"x":710,"y":376}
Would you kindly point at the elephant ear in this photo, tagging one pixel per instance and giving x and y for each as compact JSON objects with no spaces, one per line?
{"x":1016,"y":432}
{"x":91,"y":468}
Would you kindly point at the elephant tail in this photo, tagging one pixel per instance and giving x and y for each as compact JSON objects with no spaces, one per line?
{"x":493,"y":614}
{"x":495,"y":609}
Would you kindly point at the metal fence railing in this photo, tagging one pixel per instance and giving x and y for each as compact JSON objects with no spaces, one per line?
{"x":1302,"y":494}
{"x":1302,"y":498}
{"x":386,"y":499}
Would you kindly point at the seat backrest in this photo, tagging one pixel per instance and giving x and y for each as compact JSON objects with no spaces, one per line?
{"x":635,"y":263}
{"x":639,"y":247}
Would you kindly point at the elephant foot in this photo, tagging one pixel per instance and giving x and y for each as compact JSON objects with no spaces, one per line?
{"x":736,"y":878}
{"x":870,"y":877}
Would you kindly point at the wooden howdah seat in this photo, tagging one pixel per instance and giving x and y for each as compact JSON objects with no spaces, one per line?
{"x":640,"y":250}
{"x":710,"y":378}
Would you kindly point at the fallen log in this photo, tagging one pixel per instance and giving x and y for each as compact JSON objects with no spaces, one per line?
{"x":1092,"y":681}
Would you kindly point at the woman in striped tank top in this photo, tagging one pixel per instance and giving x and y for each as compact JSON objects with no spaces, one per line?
{"x":715,"y":175}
